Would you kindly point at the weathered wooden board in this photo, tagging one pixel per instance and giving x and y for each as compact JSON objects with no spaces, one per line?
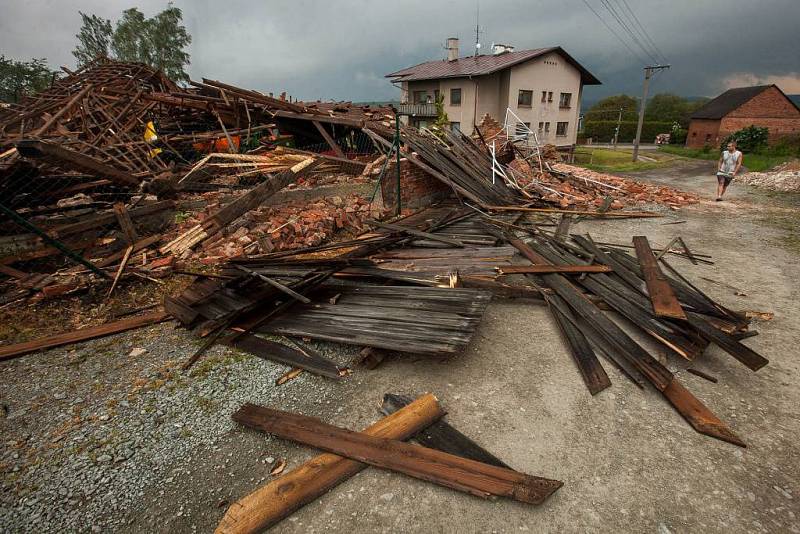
{"x":277,"y":499}
{"x":665,"y":303}
{"x":420,"y":462}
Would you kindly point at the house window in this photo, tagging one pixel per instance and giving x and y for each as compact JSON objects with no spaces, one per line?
{"x":564,"y":100}
{"x":455,"y":96}
{"x":550,"y":96}
{"x":544,"y":96}
{"x":561,"y":129}
{"x":455,"y":126}
{"x":541,"y":127}
{"x":525,"y":98}
{"x":435,"y":95}
{"x":547,"y":128}
{"x":419,"y":97}
{"x":521,"y":130}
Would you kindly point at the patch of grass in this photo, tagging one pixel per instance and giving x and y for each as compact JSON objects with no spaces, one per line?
{"x":762,"y":162}
{"x":693,"y":153}
{"x":608,"y":160}
{"x":752,"y":161}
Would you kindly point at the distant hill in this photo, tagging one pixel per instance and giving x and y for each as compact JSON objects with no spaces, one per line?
{"x":795,"y":99}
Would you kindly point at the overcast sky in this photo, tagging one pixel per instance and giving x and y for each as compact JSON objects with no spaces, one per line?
{"x":341,"y":49}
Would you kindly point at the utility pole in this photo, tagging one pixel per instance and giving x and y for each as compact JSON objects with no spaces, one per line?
{"x":648,"y":73}
{"x":616,"y":132}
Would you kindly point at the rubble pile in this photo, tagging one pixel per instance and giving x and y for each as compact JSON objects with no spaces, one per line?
{"x":784,"y":178}
{"x":281,"y":227}
{"x":629,"y":191}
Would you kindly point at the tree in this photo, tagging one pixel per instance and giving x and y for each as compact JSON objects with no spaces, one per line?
{"x":608,"y":108}
{"x":442,"y":120}
{"x":93,"y":38}
{"x":159,"y":41}
{"x":20,"y":78}
{"x":667,"y":108}
{"x":129,"y":42}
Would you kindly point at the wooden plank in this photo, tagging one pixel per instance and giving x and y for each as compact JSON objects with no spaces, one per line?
{"x":594,"y":376}
{"x":82,"y":334}
{"x":276,"y":352}
{"x":276,"y":500}
{"x":698,"y":415}
{"x":418,"y":233}
{"x":71,"y":159}
{"x":441,"y":436}
{"x":328,"y":139}
{"x":125,"y":222}
{"x":121,"y":268}
{"x":441,"y":468}
{"x":577,"y":212}
{"x":543,"y":269}
{"x":665,"y":303}
{"x":728,"y":343}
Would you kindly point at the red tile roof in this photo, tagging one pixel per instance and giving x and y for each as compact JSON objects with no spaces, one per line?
{"x":731,"y":100}
{"x":482,"y":65}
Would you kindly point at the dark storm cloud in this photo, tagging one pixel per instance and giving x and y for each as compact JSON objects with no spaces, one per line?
{"x":342,"y":49}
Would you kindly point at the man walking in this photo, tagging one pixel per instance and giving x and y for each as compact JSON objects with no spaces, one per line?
{"x":729,"y":162}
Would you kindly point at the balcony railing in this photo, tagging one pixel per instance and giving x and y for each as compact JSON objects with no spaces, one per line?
{"x":418,"y":110}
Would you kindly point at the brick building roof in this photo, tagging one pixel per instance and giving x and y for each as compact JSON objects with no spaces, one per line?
{"x":730,"y":100}
{"x":482,"y":65}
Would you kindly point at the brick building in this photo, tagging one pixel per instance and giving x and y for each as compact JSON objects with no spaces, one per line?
{"x":762,"y":105}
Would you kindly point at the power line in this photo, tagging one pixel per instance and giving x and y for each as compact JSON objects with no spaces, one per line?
{"x":612,"y":10}
{"x":621,"y":40}
{"x":643,"y":31}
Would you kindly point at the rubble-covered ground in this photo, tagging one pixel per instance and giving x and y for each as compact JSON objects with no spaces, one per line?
{"x":785,"y":178}
{"x":109,"y":435}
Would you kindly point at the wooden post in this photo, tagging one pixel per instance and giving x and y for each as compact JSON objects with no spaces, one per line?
{"x":125,"y":222}
{"x":328,"y":139}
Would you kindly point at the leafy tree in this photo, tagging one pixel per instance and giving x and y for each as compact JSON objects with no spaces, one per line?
{"x":131,"y":35}
{"x":93,"y":38}
{"x":159,"y":41}
{"x":666,"y":107}
{"x":19,"y":78}
{"x":608,"y":108}
{"x":442,"y":120}
{"x":672,"y":108}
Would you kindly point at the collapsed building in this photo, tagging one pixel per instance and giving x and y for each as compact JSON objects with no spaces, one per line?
{"x":116,"y":173}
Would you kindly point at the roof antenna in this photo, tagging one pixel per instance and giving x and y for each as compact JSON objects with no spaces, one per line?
{"x":477,"y":28}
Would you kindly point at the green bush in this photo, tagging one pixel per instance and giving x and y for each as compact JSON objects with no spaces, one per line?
{"x":677,"y":136}
{"x":603,"y":131}
{"x":750,"y":139}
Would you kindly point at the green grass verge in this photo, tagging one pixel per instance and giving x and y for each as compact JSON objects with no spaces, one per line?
{"x":608,"y":160}
{"x":752,"y":161}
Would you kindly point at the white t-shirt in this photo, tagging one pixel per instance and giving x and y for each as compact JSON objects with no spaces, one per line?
{"x":729,"y":160}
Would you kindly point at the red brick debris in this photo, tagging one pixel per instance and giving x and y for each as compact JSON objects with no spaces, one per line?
{"x":571,"y":186}
{"x":292,"y":225}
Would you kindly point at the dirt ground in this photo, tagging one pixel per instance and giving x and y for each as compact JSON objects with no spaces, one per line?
{"x":628,"y":461}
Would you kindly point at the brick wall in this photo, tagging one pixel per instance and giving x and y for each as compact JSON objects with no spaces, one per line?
{"x":703,"y":132}
{"x":768,"y":104}
{"x":417,"y":187}
{"x":770,"y":109}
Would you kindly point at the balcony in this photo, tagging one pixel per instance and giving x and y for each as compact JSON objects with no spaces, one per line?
{"x":418,"y":110}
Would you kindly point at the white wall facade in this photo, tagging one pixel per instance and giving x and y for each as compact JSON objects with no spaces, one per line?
{"x":494,"y":93}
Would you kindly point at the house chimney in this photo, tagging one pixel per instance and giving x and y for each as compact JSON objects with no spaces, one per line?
{"x":452,"y":48}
